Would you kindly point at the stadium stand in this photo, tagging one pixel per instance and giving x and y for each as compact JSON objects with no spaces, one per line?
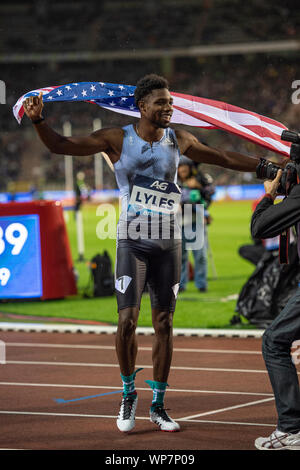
{"x":258,"y":82}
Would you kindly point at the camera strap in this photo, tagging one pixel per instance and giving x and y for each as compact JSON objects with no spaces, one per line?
{"x":284,"y":242}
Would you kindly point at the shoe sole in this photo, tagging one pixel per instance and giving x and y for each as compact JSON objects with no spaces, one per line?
{"x":279,"y":448}
{"x":126,"y":432}
{"x":171,"y":430}
{"x":164,"y":430}
{"x":121,"y":430}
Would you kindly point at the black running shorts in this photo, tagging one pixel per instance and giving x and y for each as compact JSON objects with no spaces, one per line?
{"x":156,"y":263}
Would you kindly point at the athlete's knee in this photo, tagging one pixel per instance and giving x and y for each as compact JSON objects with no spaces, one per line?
{"x":163,"y":323}
{"x":127,"y":322}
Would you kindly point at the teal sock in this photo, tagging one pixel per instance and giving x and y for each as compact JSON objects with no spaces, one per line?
{"x":129,"y":384}
{"x":159,"y":390}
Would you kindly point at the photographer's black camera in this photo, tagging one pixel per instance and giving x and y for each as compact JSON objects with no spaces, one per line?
{"x":289,"y":177}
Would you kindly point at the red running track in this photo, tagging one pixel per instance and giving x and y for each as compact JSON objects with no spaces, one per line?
{"x":219,"y":393}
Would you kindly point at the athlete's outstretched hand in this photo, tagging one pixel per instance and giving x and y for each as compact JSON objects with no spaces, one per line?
{"x":33,"y":107}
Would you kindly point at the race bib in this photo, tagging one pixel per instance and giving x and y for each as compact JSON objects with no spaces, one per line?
{"x":150,"y":195}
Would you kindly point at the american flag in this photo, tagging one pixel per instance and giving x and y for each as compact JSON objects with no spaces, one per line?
{"x":189,"y":110}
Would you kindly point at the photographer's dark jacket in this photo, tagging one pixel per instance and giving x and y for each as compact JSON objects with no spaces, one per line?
{"x":270,"y":220}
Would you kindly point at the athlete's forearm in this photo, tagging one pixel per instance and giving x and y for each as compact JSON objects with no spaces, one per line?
{"x":77,"y":146}
{"x":226,"y":159}
{"x":201,"y":153}
{"x":55,"y":142}
{"x":238,"y":161}
{"x":241,"y":162}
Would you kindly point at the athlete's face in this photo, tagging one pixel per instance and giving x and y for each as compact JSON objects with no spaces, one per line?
{"x":157,"y":107}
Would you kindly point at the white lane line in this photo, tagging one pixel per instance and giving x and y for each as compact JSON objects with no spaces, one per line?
{"x":87,"y":364}
{"x":109,"y":387}
{"x":72,"y":415}
{"x":87,"y":329}
{"x":226,"y":422}
{"x":229,"y":408}
{"x":142,"y":418}
{"x":141,"y":348}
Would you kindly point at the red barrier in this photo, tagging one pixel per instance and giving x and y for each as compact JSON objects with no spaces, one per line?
{"x":57,"y":266}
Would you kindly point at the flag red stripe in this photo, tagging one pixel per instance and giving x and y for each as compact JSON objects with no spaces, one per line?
{"x":233,"y":130}
{"x":228,"y":107}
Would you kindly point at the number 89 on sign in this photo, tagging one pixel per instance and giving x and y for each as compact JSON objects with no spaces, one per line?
{"x":20,"y":257}
{"x":16,"y":235}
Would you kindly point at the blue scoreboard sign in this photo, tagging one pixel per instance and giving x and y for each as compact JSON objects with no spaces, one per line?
{"x":20,"y":257}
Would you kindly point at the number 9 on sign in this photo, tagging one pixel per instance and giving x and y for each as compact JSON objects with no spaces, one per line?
{"x":16,"y":234}
{"x":4,"y":276}
{"x":20,"y":256}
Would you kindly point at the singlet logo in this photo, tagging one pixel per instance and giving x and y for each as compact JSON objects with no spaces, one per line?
{"x":167,"y":141}
{"x":122,"y":283}
{"x":162,"y":186}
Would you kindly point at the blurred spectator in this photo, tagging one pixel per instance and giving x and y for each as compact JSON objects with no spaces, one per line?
{"x":113,"y":25}
{"x":117,"y":26}
{"x":195,"y":191}
{"x":82,"y":191}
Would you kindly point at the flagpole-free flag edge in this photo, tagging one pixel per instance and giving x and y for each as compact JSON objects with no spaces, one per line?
{"x":189,"y":110}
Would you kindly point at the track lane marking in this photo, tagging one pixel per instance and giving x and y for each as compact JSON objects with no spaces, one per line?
{"x":141,"y":348}
{"x":142,"y":418}
{"x":62,"y":400}
{"x":110,"y":387}
{"x":87,"y":364}
{"x":229,"y":408}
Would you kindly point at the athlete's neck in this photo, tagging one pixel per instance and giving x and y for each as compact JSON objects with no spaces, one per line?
{"x":149,"y":133}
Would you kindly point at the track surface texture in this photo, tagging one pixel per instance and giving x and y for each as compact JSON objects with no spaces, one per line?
{"x":62,"y":392}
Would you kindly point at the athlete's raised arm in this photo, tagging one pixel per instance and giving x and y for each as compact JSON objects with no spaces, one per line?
{"x":198,"y":152}
{"x":103,"y":140}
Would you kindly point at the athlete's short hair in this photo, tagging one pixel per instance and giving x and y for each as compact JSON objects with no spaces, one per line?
{"x":148,"y":83}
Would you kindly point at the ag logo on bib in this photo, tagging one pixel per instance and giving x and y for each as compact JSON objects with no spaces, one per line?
{"x":122,"y":283}
{"x":162,"y":185}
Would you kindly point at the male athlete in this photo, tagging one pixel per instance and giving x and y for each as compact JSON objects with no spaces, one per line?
{"x":145,"y":157}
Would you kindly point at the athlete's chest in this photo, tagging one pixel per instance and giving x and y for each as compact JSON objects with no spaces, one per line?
{"x":159,"y":159}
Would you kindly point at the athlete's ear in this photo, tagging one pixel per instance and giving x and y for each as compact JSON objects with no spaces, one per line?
{"x":141,"y":105}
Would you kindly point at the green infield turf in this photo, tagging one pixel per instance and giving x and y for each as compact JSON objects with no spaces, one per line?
{"x":213,"y":309}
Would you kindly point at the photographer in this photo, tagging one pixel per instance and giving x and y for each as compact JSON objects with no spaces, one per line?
{"x":270,"y":220}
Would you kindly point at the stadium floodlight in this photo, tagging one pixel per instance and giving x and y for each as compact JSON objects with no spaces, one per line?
{"x":69,"y":183}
